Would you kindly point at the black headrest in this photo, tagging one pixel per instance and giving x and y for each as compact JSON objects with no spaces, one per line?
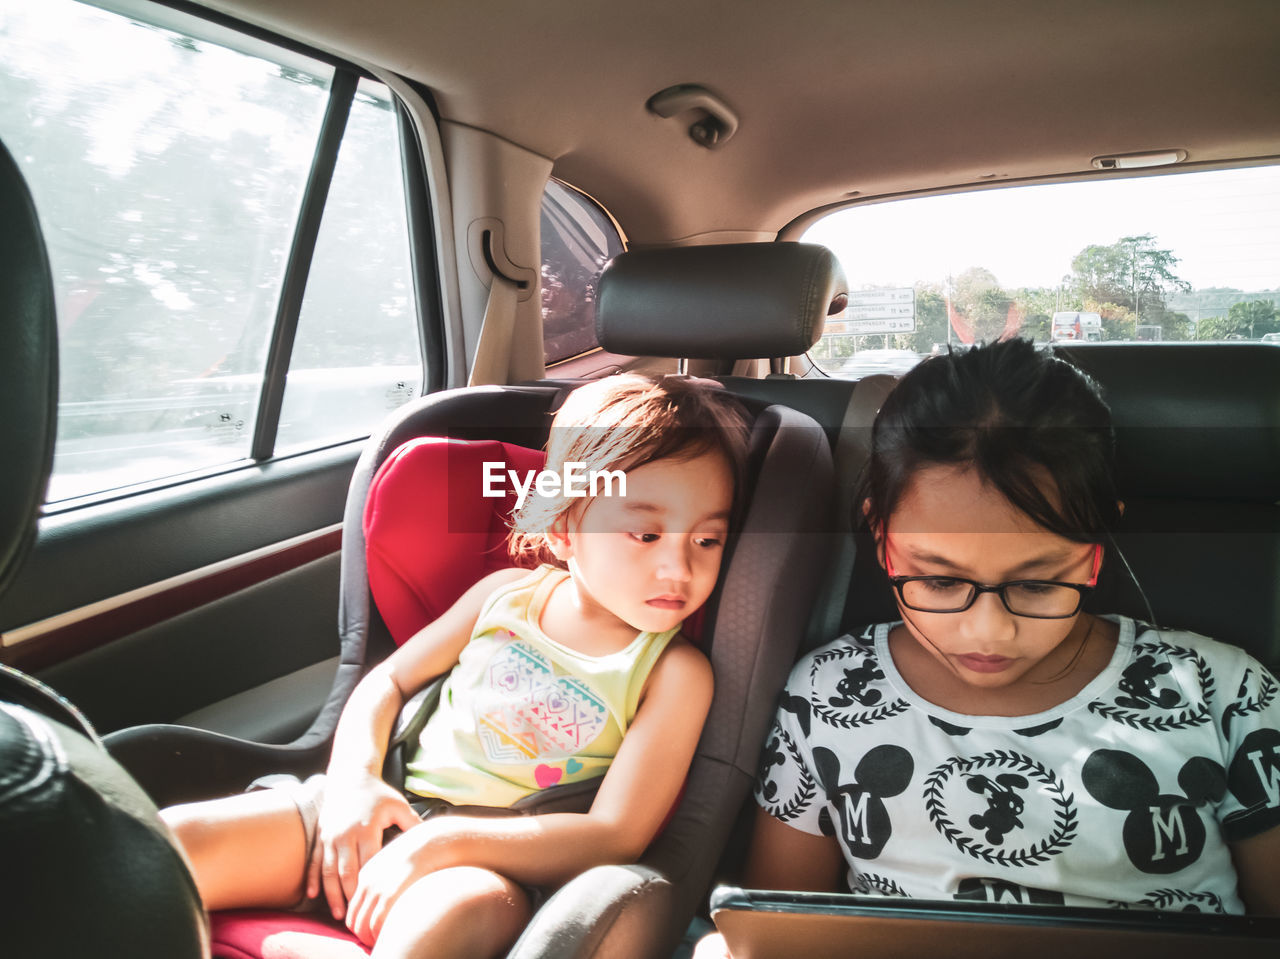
{"x":1193,"y":420}
{"x":28,"y":367}
{"x":73,"y":822}
{"x":733,"y":301}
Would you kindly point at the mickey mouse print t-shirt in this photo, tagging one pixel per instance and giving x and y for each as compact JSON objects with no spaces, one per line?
{"x":1125,"y":795}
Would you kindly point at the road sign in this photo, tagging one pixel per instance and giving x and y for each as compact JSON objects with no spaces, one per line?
{"x":873,"y":297}
{"x":877,"y":311}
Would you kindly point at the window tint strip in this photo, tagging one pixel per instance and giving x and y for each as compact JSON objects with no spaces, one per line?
{"x":422,"y":254}
{"x":341,"y":93}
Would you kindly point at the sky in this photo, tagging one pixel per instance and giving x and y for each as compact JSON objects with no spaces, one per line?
{"x":1223,"y":225}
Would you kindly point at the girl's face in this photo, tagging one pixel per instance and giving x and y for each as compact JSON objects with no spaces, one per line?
{"x":647,"y":560}
{"x":950,"y":522}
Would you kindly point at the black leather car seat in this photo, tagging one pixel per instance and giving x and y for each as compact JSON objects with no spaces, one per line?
{"x":88,"y":869}
{"x":729,"y":302}
{"x":1198,"y":467}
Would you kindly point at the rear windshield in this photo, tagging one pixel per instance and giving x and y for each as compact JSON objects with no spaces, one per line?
{"x":1188,"y":256}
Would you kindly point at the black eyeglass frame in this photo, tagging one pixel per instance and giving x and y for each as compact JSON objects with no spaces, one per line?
{"x":1082,"y":589}
{"x":898,"y":582}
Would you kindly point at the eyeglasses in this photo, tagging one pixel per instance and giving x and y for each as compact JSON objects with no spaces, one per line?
{"x":1034,"y":598}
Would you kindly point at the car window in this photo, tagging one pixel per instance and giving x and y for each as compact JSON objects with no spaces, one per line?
{"x":174,"y":169}
{"x":578,"y":240}
{"x":356,"y":356}
{"x":1188,"y":256}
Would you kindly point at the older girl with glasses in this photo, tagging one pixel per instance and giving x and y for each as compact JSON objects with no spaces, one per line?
{"x":997,"y":743}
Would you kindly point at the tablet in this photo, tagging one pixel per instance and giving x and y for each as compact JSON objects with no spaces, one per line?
{"x":761,"y":924}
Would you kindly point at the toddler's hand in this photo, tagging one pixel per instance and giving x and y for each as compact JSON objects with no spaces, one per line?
{"x":353,"y":816}
{"x":383,"y":880}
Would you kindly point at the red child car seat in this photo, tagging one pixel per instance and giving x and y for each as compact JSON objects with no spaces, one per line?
{"x":430,"y":533}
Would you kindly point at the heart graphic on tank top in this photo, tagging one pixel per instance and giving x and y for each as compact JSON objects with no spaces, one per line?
{"x":546,"y":776}
{"x":524,"y":711}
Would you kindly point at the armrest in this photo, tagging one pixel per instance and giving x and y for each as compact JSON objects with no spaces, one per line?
{"x":183,"y":764}
{"x":606,"y":911}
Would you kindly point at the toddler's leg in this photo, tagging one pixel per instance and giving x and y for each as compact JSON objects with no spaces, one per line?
{"x":464,"y":912}
{"x":245,"y":850}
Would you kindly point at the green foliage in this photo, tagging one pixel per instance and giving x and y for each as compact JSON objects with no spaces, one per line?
{"x":1132,"y":273}
{"x":1257,"y":317}
{"x":1037,"y":306}
{"x":1131,"y":283}
{"x":1173,"y":325}
{"x":1118,"y":322}
{"x":1248,"y":320}
{"x":1215,"y":328}
{"x":931,"y":323}
{"x":994,"y":316}
{"x":1099,"y":273}
{"x":980,"y":302}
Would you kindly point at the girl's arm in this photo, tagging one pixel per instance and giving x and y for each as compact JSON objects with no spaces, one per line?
{"x":358,"y":805}
{"x":637,"y":792}
{"x":782,"y":857}
{"x":1257,"y":862}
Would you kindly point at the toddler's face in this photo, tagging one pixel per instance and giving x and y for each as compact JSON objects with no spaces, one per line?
{"x":951,"y":522}
{"x":651,"y":558}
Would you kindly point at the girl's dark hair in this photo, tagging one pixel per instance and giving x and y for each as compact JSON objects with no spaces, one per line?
{"x":1019,"y":416}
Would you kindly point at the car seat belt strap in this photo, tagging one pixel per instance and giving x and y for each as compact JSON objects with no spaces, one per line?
{"x":493,"y":349}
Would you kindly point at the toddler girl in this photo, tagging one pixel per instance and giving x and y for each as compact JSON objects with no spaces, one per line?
{"x":571,"y":671}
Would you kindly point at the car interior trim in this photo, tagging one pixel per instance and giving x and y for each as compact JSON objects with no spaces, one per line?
{"x":271,"y":712}
{"x":428,"y":292}
{"x":96,"y":624}
{"x":420,"y":110}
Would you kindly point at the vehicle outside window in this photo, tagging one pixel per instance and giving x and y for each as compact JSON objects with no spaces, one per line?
{"x":1079,"y":327}
{"x":170,"y":162}
{"x":578,"y":241}
{"x":1191,"y":256}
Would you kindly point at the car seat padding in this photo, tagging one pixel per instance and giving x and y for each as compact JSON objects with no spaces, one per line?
{"x":430,"y":532}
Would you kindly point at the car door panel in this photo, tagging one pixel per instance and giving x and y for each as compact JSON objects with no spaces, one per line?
{"x":164,"y":604}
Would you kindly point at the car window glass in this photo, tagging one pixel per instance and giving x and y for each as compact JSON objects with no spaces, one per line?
{"x":356,"y":356}
{"x":578,"y":240}
{"x":167,"y":174}
{"x":1188,"y":256}
{"x":169,"y":163}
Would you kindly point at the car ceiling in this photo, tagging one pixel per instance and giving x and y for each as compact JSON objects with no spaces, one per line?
{"x":835,"y":99}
